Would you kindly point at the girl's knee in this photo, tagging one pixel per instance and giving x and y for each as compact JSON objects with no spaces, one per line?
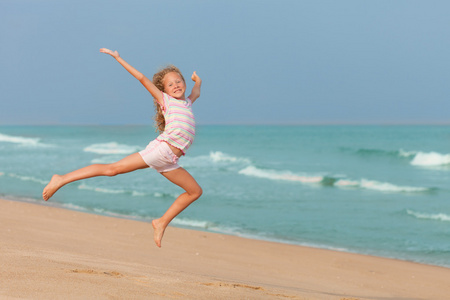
{"x":197,"y":192}
{"x":112,"y":170}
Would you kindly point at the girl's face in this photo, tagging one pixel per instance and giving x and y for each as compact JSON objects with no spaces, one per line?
{"x":174,"y":85}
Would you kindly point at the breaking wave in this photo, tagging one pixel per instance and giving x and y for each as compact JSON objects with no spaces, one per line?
{"x":430,"y":159}
{"x":220,"y":158}
{"x":418,"y":158}
{"x":387,"y":153}
{"x":331,"y":181}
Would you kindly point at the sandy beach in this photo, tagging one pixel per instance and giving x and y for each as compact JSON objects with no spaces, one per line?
{"x":53,"y":253}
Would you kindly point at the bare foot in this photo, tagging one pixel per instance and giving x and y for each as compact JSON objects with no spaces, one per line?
{"x":159,"y":231}
{"x":51,"y":188}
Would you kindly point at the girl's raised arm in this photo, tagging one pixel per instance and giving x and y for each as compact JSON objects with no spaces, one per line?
{"x":147,"y":83}
{"x":196,"y":89}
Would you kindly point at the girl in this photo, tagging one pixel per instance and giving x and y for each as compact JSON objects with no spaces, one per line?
{"x":176,"y":124}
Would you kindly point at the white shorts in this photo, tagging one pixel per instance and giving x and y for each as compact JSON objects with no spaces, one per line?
{"x":159,"y":156}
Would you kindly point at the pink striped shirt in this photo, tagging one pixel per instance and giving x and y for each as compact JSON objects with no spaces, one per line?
{"x":180,"y":123}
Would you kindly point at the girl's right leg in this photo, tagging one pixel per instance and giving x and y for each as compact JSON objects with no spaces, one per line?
{"x":193,"y":191}
{"x":128,"y":164}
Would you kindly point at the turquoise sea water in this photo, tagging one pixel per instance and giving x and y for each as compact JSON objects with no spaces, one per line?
{"x":379,"y":190}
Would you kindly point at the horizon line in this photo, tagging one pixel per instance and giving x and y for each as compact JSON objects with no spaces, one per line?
{"x":247,"y":124}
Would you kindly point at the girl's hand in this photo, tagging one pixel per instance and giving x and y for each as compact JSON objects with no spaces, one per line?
{"x":195,"y":77}
{"x":114,"y":54}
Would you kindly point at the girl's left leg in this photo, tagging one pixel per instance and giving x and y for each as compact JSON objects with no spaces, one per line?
{"x":128,"y":164}
{"x":183,"y":179}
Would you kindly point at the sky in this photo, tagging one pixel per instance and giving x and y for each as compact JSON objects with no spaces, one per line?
{"x":261,"y":62}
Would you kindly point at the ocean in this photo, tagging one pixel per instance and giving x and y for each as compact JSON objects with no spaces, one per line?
{"x":376,"y":190}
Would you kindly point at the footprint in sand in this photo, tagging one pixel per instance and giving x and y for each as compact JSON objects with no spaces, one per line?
{"x":233,"y":285}
{"x":94,"y":272}
{"x":245,"y":286}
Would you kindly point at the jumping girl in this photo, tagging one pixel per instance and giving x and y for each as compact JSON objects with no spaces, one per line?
{"x":176,"y":124}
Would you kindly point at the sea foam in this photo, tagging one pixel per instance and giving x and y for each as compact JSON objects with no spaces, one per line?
{"x":28,"y":178}
{"x":389,"y":187}
{"x":109,"y":191}
{"x":112,"y":148}
{"x":218,"y":157}
{"x":23,"y":141}
{"x":192,"y":223}
{"x":279,"y":175}
{"x":106,"y":159}
{"x":215,"y":159}
{"x":428,"y":216}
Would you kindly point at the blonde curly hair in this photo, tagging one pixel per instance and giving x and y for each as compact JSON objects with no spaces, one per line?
{"x":158,"y":81}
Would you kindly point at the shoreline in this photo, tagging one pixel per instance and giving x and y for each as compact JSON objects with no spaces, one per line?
{"x":50,"y":252}
{"x":187,"y":227}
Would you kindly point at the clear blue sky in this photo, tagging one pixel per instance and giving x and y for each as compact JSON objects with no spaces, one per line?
{"x":262,"y":62}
